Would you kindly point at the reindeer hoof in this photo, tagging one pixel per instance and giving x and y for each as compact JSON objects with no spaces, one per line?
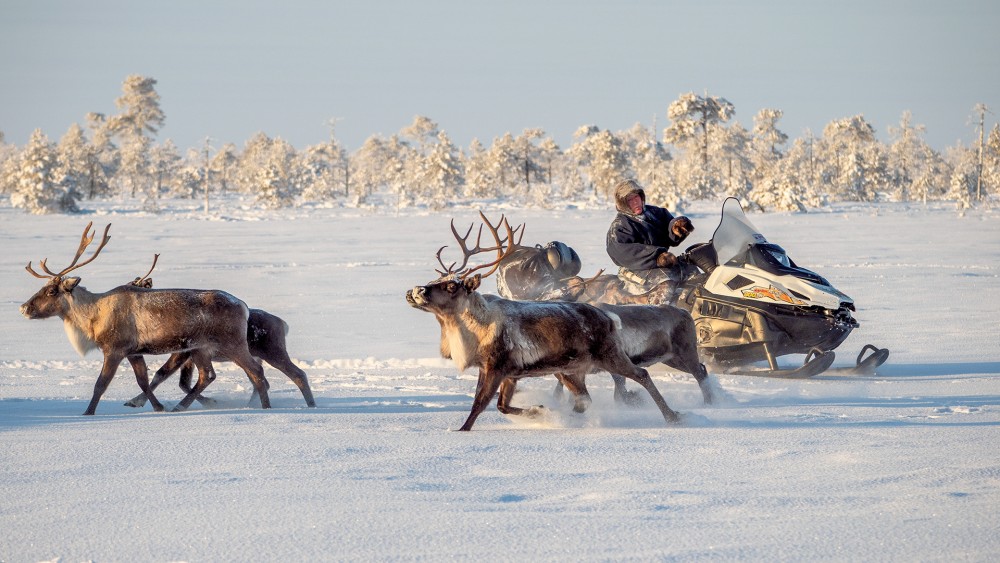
{"x":135,"y":403}
{"x":535,"y":411}
{"x":630,"y":398}
{"x":208,"y":401}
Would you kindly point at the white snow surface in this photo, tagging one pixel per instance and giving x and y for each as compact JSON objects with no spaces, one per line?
{"x":900,"y":466}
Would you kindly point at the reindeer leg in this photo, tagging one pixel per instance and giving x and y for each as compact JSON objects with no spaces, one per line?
{"x":142,"y":378}
{"x":507,"y":388}
{"x":485,"y":389}
{"x":187,"y":372}
{"x":206,"y":375}
{"x":642,"y":377}
{"x":623,"y":395}
{"x":103,"y":380}
{"x":577,"y":385}
{"x":284,"y":364}
{"x":256,"y":374}
{"x":168,"y":368}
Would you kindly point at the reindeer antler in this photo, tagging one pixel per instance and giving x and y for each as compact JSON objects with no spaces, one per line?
{"x":85,"y":241}
{"x":502,"y":253}
{"x":463,"y":242}
{"x":139,"y":281}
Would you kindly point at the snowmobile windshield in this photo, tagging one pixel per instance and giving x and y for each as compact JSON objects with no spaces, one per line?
{"x":735,"y":233}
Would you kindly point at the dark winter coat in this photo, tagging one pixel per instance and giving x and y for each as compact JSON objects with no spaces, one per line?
{"x":634,"y":241}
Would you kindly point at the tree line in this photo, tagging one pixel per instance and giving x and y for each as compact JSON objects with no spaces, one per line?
{"x":702,"y":154}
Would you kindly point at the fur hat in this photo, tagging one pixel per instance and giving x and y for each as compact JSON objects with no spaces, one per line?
{"x":625,"y":188}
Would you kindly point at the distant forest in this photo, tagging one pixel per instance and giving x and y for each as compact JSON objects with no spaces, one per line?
{"x":701,"y":154}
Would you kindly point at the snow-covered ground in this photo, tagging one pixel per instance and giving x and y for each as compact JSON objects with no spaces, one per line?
{"x":900,"y":466}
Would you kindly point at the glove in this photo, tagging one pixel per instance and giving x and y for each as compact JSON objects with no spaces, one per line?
{"x":682,"y":227}
{"x":666,"y":260}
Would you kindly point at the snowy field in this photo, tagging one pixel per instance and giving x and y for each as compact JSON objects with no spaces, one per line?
{"x":900,"y":466}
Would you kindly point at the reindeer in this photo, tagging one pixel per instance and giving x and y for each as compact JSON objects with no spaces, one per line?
{"x":515,"y":339}
{"x":128,"y":322}
{"x":657,"y":333}
{"x":265,"y":339}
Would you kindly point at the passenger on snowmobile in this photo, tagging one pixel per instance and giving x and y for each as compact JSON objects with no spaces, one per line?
{"x":640,"y":237}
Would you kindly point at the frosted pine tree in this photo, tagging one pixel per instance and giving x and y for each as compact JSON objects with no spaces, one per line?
{"x":480,"y":183}
{"x":694,"y":120}
{"x":991,"y":165}
{"x":444,"y":172}
{"x":651,"y":163}
{"x":140,"y":117}
{"x":8,"y":155}
{"x":367,"y":168}
{"x":602,"y":157}
{"x":856,"y":165}
{"x":72,"y":153}
{"x":505,"y":166}
{"x":321,"y":172}
{"x":38,"y":180}
{"x":102,"y":157}
{"x":223,"y":167}
{"x":532,"y":186}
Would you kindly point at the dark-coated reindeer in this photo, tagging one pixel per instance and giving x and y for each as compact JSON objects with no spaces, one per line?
{"x":515,"y":339}
{"x":265,"y":338}
{"x":128,"y":322}
{"x":655,"y":333}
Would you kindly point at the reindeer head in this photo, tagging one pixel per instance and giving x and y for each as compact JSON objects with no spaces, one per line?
{"x":451,"y":291}
{"x":54,"y":297}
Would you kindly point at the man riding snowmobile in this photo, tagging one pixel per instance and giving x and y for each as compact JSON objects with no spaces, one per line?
{"x":640,"y":237}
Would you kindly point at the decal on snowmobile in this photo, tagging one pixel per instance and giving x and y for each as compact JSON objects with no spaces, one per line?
{"x":771,"y":292}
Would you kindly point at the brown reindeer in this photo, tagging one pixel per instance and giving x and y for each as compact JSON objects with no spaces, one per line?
{"x":656,"y":333}
{"x":128,"y":322}
{"x":514,"y":339}
{"x":265,"y":339}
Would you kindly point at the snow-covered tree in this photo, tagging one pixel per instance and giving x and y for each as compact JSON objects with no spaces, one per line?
{"x":72,"y":154}
{"x":102,"y":157}
{"x":223,"y":166}
{"x":694,"y":120}
{"x":480,"y":181}
{"x":38,"y":181}
{"x":991,"y":163}
{"x":368,"y":167}
{"x":601,"y":156}
{"x":140,"y":117}
{"x":856,"y":164}
{"x":321,"y":172}
{"x":692,"y":117}
{"x":443,"y":172}
{"x":651,"y":163}
{"x":266,"y":171}
{"x":8,"y":154}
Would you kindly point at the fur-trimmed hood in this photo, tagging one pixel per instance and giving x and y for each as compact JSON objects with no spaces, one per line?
{"x":622,"y":190}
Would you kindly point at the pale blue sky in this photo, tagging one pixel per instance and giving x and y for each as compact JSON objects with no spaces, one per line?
{"x":228,"y":69}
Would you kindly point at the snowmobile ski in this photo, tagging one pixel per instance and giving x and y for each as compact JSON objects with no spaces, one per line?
{"x":866,"y":365}
{"x":814,"y":364}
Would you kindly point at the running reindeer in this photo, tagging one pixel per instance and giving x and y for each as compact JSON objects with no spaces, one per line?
{"x":265,"y":339}
{"x":128,"y":322}
{"x":514,"y":339}
{"x":656,"y":332}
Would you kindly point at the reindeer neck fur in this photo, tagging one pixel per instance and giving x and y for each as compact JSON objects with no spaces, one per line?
{"x":465,"y":331}
{"x":79,"y":319}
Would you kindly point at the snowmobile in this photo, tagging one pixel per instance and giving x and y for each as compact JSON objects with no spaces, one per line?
{"x":752,"y":303}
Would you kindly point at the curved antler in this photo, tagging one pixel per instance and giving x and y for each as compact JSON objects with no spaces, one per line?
{"x":140,"y":281}
{"x":85,"y":241}
{"x":502,"y":252}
